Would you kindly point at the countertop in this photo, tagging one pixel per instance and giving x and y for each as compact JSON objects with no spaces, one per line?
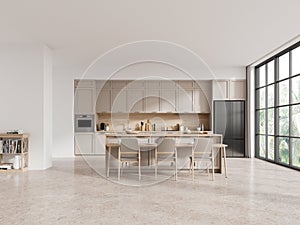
{"x":163,"y":134}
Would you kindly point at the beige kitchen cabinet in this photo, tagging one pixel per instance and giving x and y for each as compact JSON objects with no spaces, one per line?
{"x":202,"y":96}
{"x":103,"y":96}
{"x":186,"y":84}
{"x":119,"y":101}
{"x":103,"y":84}
{"x":119,"y":84}
{"x":168,"y":84}
{"x":201,"y":103}
{"x":168,"y":100}
{"x":152,"y":84}
{"x":237,"y":89}
{"x":84,"y":83}
{"x":135,"y":84}
{"x":229,"y":89}
{"x":84,"y":101}
{"x":135,"y":100}
{"x":103,"y":103}
{"x":152,"y":99}
{"x":185,"y":100}
{"x":84,"y":143}
{"x":221,"y":90}
{"x":99,"y":144}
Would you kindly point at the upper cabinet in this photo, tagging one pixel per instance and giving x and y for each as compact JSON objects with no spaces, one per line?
{"x":152,"y":99}
{"x":221,"y":89}
{"x":103,"y":84}
{"x":229,"y":89}
{"x":84,"y":84}
{"x":135,"y":100}
{"x":168,"y":84}
{"x":168,"y":100}
{"x":186,"y":84}
{"x":185,"y":100}
{"x":103,"y":103}
{"x":84,"y":97}
{"x":135,"y":96}
{"x":185,"y":96}
{"x":237,"y":89}
{"x":103,"y":96}
{"x":164,"y":96}
{"x":202,"y":96}
{"x":119,"y":101}
{"x":152,"y":84}
{"x":119,"y":84}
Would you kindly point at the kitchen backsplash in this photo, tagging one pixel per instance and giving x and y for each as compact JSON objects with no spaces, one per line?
{"x":119,"y":122}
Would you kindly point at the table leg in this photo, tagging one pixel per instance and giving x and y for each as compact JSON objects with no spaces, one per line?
{"x":225,"y":161}
{"x":108,"y":161}
{"x":175,"y":164}
{"x":193,"y":165}
{"x":156,"y":162}
{"x":139,"y":165}
{"x":213,"y":163}
{"x":119,"y":159}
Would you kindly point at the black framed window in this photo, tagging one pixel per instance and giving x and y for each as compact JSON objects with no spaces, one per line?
{"x":277,"y":108}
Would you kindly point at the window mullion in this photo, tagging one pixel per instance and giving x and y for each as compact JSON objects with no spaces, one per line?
{"x":290,"y":110}
{"x":276,"y":116}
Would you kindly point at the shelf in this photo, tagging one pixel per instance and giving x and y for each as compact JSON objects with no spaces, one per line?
{"x":24,"y":153}
{"x":14,"y":170}
{"x":13,"y":145}
{"x":14,"y":136}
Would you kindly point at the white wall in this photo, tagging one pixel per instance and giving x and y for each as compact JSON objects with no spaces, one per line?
{"x":47,"y":107}
{"x":127,"y":62}
{"x":22,"y":96}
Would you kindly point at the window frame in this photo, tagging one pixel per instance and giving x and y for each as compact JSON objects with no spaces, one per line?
{"x":276,"y":108}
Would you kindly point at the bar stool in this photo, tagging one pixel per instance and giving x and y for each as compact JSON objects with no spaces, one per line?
{"x":223,"y":152}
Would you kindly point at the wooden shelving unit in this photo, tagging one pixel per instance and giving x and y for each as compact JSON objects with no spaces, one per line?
{"x":12,"y":145}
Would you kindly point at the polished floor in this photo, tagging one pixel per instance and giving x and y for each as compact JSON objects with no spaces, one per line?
{"x":71,"y":192}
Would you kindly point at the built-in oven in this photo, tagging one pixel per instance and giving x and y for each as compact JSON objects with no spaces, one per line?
{"x":84,"y":123}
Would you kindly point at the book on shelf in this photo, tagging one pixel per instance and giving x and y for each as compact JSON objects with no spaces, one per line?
{"x":10,"y":146}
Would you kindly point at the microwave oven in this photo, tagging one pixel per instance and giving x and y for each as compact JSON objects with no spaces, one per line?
{"x":84,"y":123}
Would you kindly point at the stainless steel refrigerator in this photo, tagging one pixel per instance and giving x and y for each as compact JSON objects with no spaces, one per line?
{"x":229,"y":120}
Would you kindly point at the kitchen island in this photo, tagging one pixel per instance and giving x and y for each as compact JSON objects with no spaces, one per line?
{"x":147,"y":141}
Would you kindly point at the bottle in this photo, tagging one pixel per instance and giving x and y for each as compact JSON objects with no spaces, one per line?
{"x":181,"y":128}
{"x":142,"y":126}
{"x":202,"y":127}
{"x":148,"y":125}
{"x":153,"y":127}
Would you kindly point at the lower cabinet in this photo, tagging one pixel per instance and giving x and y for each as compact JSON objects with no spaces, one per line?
{"x":99,"y":146}
{"x":89,"y":144}
{"x":84,"y":143}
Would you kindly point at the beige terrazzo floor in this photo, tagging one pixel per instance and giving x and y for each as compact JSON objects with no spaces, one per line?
{"x":71,"y":192}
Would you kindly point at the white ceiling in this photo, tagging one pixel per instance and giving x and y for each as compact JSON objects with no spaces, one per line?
{"x":231,"y":33}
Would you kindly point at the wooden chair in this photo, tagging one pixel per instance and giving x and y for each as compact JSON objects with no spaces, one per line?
{"x":166,"y":151}
{"x":129,"y":152}
{"x":202,"y":152}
